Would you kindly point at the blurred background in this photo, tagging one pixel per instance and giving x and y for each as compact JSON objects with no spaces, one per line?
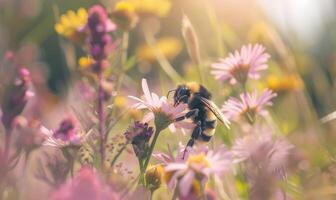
{"x":301,"y":29}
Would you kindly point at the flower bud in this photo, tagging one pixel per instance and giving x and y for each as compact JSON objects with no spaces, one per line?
{"x":191,"y":40}
{"x":154,"y":177}
{"x":139,"y":135}
{"x":15,"y":97}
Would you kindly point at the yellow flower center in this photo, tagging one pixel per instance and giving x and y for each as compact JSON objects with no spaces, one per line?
{"x":198,"y":160}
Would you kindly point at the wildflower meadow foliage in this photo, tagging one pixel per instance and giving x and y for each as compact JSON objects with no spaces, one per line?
{"x":136,"y":88}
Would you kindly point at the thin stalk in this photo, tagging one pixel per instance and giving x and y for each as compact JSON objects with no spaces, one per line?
{"x":151,"y":195}
{"x":204,"y":196}
{"x":151,"y":148}
{"x":101,"y":118}
{"x":162,"y":60}
{"x":123,"y":60}
{"x":175,"y":192}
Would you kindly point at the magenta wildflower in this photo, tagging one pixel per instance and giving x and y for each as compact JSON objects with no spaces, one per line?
{"x":86,"y":185}
{"x":198,"y":167}
{"x":163,"y":112}
{"x":99,"y":41}
{"x":248,"y":106}
{"x":241,"y":65}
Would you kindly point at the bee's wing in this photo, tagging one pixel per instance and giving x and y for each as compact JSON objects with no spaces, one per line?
{"x":216,"y":111}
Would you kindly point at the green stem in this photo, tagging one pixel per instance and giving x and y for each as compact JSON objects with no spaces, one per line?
{"x":176,"y":191}
{"x":101,"y":119}
{"x":124,"y":47}
{"x":204,"y":196}
{"x":151,"y":148}
{"x":151,"y":195}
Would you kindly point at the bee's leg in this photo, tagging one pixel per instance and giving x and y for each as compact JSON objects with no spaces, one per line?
{"x":195,"y":134}
{"x":183,"y":98}
{"x":190,"y":113}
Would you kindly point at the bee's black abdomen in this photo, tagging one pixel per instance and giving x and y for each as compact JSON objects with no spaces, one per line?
{"x":205,"y":138}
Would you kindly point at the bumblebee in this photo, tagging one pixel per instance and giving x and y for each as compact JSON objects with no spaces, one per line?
{"x":202,"y":111}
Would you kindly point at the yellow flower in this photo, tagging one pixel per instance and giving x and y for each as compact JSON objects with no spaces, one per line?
{"x":168,"y":46}
{"x":284,"y":83}
{"x":85,"y":62}
{"x":70,"y":23}
{"x":158,"y":8}
{"x":124,"y":15}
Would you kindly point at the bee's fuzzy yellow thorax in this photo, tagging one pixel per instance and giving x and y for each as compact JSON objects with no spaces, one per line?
{"x":193,"y":86}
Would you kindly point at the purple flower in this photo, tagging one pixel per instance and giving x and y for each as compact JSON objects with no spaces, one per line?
{"x":241,"y":65}
{"x":248,"y":106}
{"x":67,"y":134}
{"x":99,"y":41}
{"x":67,"y":130}
{"x":198,"y":167}
{"x":86,"y":185}
{"x":139,"y":135}
{"x":15,"y":97}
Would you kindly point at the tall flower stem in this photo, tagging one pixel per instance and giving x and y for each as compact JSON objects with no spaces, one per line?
{"x":176,"y":191}
{"x":149,"y":155}
{"x":151,"y":148}
{"x":101,"y":118}
{"x":123,"y":59}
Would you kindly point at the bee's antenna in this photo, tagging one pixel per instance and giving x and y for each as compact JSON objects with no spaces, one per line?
{"x":170,"y":91}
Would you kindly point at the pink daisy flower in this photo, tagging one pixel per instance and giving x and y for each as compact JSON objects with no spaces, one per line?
{"x":169,"y":157}
{"x":163,"y":112}
{"x":248,"y":105}
{"x":241,"y":65}
{"x":262,"y":151}
{"x":198,"y":166}
{"x":265,"y":159}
